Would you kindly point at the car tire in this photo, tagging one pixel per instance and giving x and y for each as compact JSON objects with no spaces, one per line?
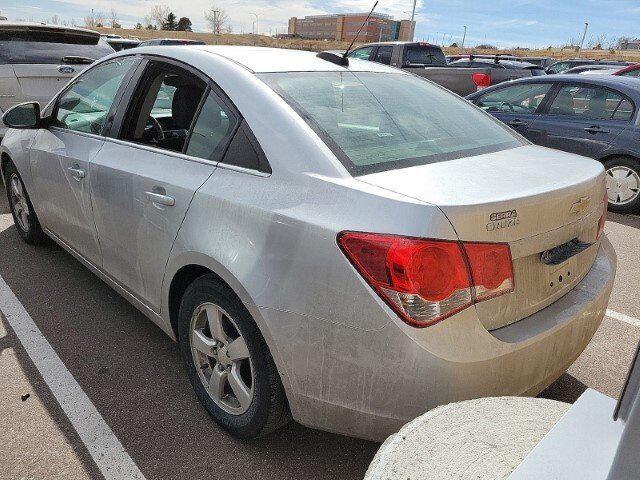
{"x":24,"y":216}
{"x":625,"y":172}
{"x":205,"y":300}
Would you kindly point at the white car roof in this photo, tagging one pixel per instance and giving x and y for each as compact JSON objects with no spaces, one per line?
{"x":263,"y":59}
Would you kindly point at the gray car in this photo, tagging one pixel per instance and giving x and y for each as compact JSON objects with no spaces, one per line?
{"x":347,"y":245}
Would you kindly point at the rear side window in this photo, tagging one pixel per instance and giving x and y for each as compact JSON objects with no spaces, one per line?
{"x":383,"y":55}
{"x":524,"y":98}
{"x":85,"y":105}
{"x":362,"y":53}
{"x":631,"y":73}
{"x":212,"y":129}
{"x":591,"y":103}
{"x":49,"y":47}
{"x":417,"y":55}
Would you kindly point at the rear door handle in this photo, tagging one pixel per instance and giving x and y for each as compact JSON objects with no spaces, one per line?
{"x":160,"y":199}
{"x":596,"y":129}
{"x":77,"y":172}
{"x":516,"y":123}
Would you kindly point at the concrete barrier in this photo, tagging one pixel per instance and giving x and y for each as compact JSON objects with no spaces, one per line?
{"x":482,"y":439}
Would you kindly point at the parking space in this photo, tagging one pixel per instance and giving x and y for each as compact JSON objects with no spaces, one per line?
{"x":133,"y":374}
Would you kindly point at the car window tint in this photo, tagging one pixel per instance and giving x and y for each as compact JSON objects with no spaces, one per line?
{"x":524,"y":98}
{"x":84,"y":107}
{"x":162,"y":114}
{"x":212,"y":129}
{"x":631,"y":73}
{"x":362,"y":53}
{"x":591,"y":103}
{"x":383,"y":55}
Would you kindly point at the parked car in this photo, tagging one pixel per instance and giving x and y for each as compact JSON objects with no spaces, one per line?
{"x":498,"y":63}
{"x":595,"y":116}
{"x":428,"y":61}
{"x":118,"y":43}
{"x":594,"y":67}
{"x":170,"y":41}
{"x":562,"y":66}
{"x":37,"y":60}
{"x":348,"y":243}
{"x":632,"y":70}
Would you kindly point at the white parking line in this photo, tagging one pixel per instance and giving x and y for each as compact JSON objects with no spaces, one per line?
{"x":623,"y":318}
{"x":104,"y":447}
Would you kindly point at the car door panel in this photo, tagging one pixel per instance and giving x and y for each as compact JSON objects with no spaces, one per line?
{"x":60,"y":165}
{"x":140,"y":197}
{"x":575,"y":120}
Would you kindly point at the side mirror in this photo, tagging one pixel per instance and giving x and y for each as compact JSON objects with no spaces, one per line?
{"x":23,"y":115}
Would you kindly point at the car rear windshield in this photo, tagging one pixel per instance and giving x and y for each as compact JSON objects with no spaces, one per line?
{"x":418,"y":55}
{"x":383,"y":121}
{"x":36,"y":46}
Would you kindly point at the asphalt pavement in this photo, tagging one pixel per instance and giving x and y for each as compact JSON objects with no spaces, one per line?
{"x":133,"y":374}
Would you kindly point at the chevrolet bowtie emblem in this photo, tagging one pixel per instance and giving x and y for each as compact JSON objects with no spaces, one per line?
{"x":581,"y":205}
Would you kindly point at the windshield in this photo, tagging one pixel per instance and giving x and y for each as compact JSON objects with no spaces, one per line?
{"x":381,"y":121}
{"x":33,"y":47}
{"x":424,"y":55}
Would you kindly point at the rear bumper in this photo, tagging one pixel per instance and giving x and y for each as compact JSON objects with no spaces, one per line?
{"x":369,"y":383}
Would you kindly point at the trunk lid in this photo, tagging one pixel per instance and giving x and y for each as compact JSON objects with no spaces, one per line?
{"x":530,"y":197}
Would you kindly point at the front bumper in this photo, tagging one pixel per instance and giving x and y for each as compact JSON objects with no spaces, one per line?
{"x":369,"y":383}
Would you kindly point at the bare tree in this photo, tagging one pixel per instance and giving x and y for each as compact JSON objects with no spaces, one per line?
{"x":94,"y":19}
{"x":55,"y":20}
{"x":597,"y":42}
{"x":157,"y":15}
{"x":114,"y":21}
{"x":217,"y":19}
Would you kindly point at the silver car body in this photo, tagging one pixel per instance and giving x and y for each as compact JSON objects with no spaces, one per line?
{"x":348,"y":363}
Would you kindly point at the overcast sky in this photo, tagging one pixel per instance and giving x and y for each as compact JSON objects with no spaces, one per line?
{"x":506,"y":23}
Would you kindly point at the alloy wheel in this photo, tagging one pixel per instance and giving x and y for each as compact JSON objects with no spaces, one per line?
{"x":19,"y":202}
{"x":221,"y":358}
{"x":623,"y":185}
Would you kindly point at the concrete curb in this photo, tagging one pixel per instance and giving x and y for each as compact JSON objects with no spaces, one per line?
{"x":483,"y":439}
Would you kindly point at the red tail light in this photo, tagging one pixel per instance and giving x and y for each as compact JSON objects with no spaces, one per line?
{"x":425,"y":281}
{"x":482,"y":80}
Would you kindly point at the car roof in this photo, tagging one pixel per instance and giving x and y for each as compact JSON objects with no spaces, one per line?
{"x":267,"y":60}
{"x":506,"y":62}
{"x":630,"y":86}
{"x":4,"y":25}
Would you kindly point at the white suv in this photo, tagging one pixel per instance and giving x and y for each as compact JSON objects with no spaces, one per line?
{"x":37,"y":60}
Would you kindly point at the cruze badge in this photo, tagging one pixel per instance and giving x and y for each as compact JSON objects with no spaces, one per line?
{"x":581,"y":205}
{"x":499,"y":220}
{"x":65,"y":69}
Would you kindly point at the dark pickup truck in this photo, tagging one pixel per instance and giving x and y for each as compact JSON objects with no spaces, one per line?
{"x":428,"y":61}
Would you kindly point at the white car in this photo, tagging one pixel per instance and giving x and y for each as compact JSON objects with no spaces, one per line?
{"x":37,"y":60}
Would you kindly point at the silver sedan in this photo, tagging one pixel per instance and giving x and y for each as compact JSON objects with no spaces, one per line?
{"x":349,"y":245}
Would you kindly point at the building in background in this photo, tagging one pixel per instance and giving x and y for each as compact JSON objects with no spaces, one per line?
{"x":629,"y":44}
{"x":344,"y":27}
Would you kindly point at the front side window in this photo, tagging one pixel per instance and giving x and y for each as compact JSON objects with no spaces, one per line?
{"x":162,"y":112}
{"x":362,"y":53}
{"x":381,"y":121}
{"x":383,"y":55}
{"x":559,"y":67}
{"x":84,"y":106}
{"x":591,"y":103}
{"x":212,"y":129}
{"x":524,"y":98}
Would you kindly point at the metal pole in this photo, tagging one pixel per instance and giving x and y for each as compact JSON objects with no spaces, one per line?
{"x":464,"y":36}
{"x":586,"y":25}
{"x":255,"y":25}
{"x":413,"y":14}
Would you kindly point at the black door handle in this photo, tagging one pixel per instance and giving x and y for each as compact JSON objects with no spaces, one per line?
{"x":596,"y":129}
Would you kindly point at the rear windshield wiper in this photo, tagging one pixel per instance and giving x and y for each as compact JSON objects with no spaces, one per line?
{"x":77,"y":60}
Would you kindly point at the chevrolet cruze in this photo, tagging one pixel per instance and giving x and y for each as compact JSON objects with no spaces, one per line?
{"x":346,"y":244}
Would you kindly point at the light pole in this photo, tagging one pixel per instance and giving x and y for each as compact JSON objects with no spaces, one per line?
{"x":216,"y":24}
{"x":255,"y":24}
{"x":584,"y":34}
{"x":413,"y":14}
{"x":464,"y":36}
